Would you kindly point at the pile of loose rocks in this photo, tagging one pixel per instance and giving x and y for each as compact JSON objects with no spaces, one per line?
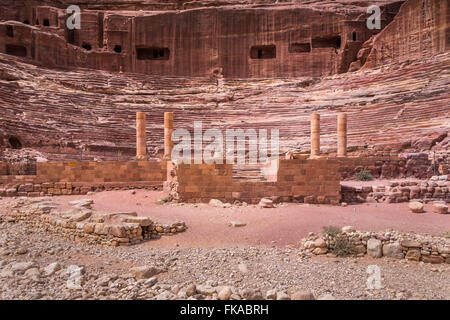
{"x":437,"y":188}
{"x":82,"y":223}
{"x":348,"y":241}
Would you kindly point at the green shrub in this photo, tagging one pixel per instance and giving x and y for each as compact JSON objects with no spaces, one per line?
{"x":331,"y":231}
{"x":164,"y":200}
{"x":342,"y":247}
{"x":364,"y":175}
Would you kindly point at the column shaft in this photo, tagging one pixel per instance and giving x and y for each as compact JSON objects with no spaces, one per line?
{"x":342,"y":135}
{"x":315,"y":134}
{"x":168,"y":129}
{"x":141,"y":139}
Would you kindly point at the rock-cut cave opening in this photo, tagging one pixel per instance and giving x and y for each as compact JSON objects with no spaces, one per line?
{"x":15,"y":142}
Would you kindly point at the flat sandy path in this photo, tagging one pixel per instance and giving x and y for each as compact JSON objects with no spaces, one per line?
{"x":209,"y":226}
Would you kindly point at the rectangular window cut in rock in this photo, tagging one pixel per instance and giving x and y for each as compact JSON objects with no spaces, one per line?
{"x":263,"y":52}
{"x":327,"y":42}
{"x":16,"y":50}
{"x":299,"y":47}
{"x":9,"y":31}
{"x":153,"y":53}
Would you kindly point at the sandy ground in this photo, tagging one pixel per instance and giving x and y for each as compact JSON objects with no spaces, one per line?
{"x":287,"y":224}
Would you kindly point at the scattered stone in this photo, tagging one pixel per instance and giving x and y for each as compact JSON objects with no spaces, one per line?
{"x":318,"y":251}
{"x":145,"y":272}
{"x":320,"y":243}
{"x":416,"y":207}
{"x":348,"y":229}
{"x":52,"y":268}
{"x":251,"y":294}
{"x":224,"y":293}
{"x":243,"y":268}
{"x":281,"y":295}
{"x":266,"y":203}
{"x":191,"y":290}
{"x":22,"y":266}
{"x":302,"y":295}
{"x":238,"y":224}
{"x":216,"y":203}
{"x":271,"y":294}
{"x":150,"y":282}
{"x":440,"y":208}
{"x":82,"y":203}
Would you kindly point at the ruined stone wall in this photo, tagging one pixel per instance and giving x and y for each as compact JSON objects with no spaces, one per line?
{"x":64,"y":178}
{"x":310,"y":181}
{"x":420,"y":29}
{"x":416,"y":165}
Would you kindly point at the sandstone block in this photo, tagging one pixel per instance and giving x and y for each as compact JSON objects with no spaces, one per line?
{"x":440,"y":208}
{"x":374,"y":248}
{"x":393,"y":250}
{"x":416,"y":207}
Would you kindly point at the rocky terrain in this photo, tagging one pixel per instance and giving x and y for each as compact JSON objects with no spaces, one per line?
{"x":35,"y":265}
{"x":38,"y":264}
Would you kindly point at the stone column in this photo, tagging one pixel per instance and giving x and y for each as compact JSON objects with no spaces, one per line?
{"x":315,"y":135}
{"x":342,"y":135}
{"x":141,"y":143}
{"x":168,"y":129}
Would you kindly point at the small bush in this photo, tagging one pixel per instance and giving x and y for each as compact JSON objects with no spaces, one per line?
{"x":445,"y":234}
{"x":364,"y":175}
{"x":161,"y":201}
{"x":331,"y":231}
{"x":342,"y":247}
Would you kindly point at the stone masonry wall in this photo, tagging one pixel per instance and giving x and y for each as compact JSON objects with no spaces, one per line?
{"x":307,"y":180}
{"x":56,"y":178}
{"x":392,"y":244}
{"x":416,"y":165}
{"x":436,"y":189}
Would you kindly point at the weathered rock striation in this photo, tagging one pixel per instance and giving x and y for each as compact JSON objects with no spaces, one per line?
{"x":397,"y":102}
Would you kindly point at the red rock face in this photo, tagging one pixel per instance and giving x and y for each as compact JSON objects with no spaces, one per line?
{"x":68,"y":102}
{"x":420,"y":29}
{"x":240,"y":41}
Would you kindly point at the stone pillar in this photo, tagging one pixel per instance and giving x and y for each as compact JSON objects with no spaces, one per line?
{"x":342,"y":135}
{"x":168,"y":129}
{"x":141,"y":143}
{"x":315,"y":135}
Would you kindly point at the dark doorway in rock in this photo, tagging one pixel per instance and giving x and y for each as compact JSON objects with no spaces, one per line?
{"x":46,"y":23}
{"x":10,"y":31}
{"x":327,"y":42}
{"x":15,"y":50}
{"x":299,"y":47}
{"x":263,"y":52}
{"x":118,"y":49}
{"x":153,"y":53}
{"x":354,"y":36}
{"x":26,"y":22}
{"x":71,"y":36}
{"x":86,"y":46}
{"x":15,"y":142}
